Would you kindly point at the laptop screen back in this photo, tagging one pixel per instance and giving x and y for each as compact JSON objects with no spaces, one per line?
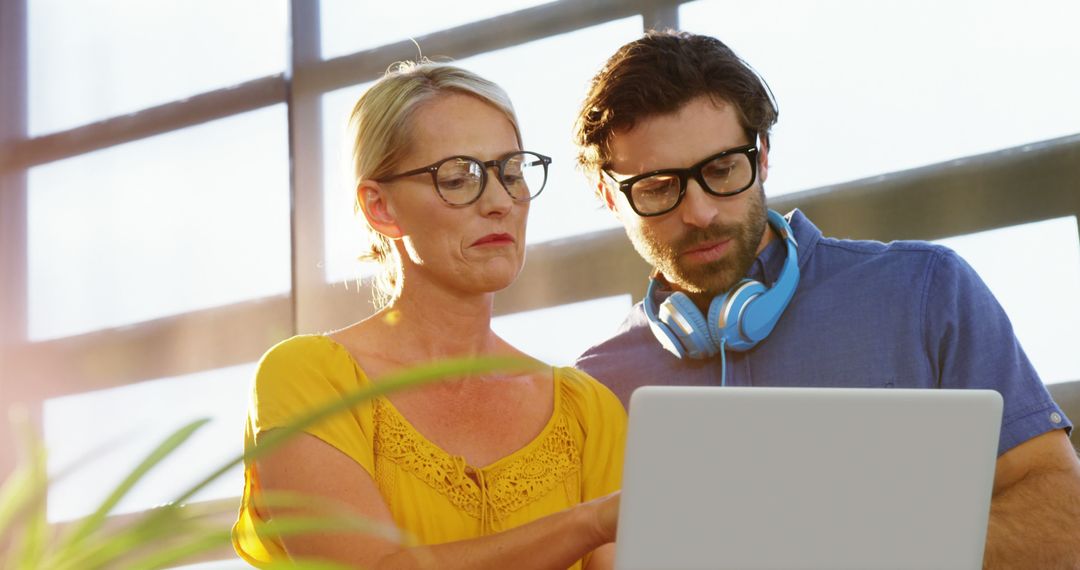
{"x":807,"y":478}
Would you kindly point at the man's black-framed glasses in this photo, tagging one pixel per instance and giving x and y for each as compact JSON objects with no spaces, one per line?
{"x":723,"y":174}
{"x":460,"y":180}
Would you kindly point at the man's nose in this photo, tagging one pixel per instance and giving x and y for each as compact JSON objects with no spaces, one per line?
{"x":698,"y":209}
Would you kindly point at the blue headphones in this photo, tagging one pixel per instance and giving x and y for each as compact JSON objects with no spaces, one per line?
{"x":737,"y":320}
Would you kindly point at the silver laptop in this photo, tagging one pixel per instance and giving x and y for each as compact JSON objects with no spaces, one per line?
{"x":807,"y":478}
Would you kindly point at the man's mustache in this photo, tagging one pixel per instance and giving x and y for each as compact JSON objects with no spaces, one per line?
{"x":697,"y":236}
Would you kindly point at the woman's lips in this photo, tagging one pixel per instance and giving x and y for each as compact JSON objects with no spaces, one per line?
{"x":495,"y":240}
{"x":707,"y":252}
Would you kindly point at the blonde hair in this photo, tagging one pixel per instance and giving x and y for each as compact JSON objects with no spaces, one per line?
{"x":380,"y":127}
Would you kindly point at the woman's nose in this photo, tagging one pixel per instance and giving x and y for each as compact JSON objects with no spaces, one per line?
{"x":495,"y":198}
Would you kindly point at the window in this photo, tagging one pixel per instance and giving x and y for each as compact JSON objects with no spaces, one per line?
{"x":1034,"y":271}
{"x":349,"y":26}
{"x":182,"y":221}
{"x":866,"y":88}
{"x":94,"y":60}
{"x":547,"y":80}
{"x":128,"y":422}
{"x":344,"y":235}
{"x":557,"y":335}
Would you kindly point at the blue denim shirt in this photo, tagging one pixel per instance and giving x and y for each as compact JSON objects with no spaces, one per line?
{"x":866,"y":314}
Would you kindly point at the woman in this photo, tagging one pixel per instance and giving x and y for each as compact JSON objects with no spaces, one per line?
{"x":501,"y":471}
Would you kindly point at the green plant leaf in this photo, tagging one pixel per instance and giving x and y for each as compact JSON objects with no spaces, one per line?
{"x":94,"y":522}
{"x":213,"y":539}
{"x":306,"y":565}
{"x":196,"y":527}
{"x":20,"y":490}
{"x":316,"y":506}
{"x":188,"y":532}
{"x":23,"y":486}
{"x":175,"y":554}
{"x":109,"y":546}
{"x":290,"y":525}
{"x":195,"y":538}
{"x":30,"y":542}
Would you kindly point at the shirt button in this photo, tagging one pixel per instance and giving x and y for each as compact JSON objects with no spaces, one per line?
{"x":1055,"y":417}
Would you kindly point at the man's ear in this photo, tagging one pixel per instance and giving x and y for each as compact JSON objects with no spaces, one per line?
{"x":763,"y":161}
{"x":372,"y":199}
{"x":606,"y":193}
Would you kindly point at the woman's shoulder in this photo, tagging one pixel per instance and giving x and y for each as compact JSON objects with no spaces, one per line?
{"x":303,"y":348}
{"x":585,"y":393}
{"x":306,"y":357}
{"x":300,"y":343}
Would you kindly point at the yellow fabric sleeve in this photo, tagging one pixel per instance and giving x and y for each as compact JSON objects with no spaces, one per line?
{"x":603,"y":421}
{"x":306,"y":372}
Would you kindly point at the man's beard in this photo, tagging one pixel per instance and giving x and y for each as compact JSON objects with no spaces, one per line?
{"x":706,"y":280}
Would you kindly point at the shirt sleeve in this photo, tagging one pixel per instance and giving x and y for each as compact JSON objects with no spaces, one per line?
{"x":972,"y":345}
{"x":302,"y":374}
{"x":603,"y":421}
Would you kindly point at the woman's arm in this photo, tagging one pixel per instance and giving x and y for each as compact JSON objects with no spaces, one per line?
{"x":602,"y":558}
{"x":310,"y":466}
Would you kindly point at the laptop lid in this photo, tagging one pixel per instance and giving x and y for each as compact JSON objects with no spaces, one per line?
{"x":807,"y":478}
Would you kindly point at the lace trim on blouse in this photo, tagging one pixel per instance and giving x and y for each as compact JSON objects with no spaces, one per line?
{"x":496,"y":491}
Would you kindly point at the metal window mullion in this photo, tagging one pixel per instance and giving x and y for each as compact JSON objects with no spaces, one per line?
{"x":1027,"y":183}
{"x":13,"y":230}
{"x":13,"y":125}
{"x":226,"y":102}
{"x":495,"y":33}
{"x":660,"y":15}
{"x":305,"y":155}
{"x":187,"y":343}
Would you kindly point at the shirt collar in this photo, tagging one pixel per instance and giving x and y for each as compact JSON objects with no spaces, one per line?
{"x":766,"y":268}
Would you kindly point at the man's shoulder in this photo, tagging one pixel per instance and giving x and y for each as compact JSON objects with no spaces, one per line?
{"x":625,"y":360}
{"x":626,"y":344}
{"x":876,"y":249}
{"x":869,"y":261}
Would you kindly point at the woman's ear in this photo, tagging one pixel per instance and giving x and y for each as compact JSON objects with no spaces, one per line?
{"x":372,"y":200}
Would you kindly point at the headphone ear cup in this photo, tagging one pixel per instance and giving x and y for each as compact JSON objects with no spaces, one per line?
{"x":667,"y":338}
{"x":725,"y":315}
{"x":683,"y":319}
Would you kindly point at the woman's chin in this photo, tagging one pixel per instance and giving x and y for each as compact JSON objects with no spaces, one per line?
{"x":493,"y":284}
{"x":494,"y":279}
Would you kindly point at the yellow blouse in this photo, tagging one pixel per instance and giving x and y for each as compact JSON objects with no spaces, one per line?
{"x":577,"y":457}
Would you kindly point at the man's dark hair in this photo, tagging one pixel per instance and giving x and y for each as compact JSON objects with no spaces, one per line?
{"x":658,"y":74}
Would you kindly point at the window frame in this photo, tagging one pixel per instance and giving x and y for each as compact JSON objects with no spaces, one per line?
{"x":919,"y":204}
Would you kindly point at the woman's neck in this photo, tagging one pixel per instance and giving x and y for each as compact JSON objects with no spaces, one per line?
{"x":432,"y":323}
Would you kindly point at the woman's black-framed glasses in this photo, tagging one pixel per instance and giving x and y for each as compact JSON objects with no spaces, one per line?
{"x":723,"y":174}
{"x":460,"y":180}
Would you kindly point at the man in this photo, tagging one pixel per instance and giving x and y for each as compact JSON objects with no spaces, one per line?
{"x":905,"y":314}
